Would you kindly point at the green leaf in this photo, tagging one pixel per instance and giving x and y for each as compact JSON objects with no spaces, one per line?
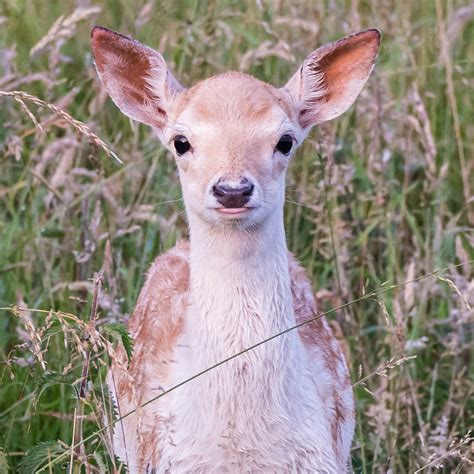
{"x":39,"y":455}
{"x":120,"y":332}
{"x":53,"y":378}
{"x":102,"y":393}
{"x":100,"y":462}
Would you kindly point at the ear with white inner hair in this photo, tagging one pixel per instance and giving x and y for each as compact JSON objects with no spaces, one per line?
{"x":331,"y":77}
{"x":135,"y":76}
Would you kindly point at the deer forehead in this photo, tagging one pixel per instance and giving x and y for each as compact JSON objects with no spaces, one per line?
{"x":232,"y":110}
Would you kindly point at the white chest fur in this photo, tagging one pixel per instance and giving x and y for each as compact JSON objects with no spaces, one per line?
{"x":259,"y":412}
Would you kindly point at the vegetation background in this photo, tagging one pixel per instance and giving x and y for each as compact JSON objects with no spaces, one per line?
{"x":376,"y":200}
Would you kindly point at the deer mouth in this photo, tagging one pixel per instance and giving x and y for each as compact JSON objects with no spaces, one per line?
{"x":233,"y":210}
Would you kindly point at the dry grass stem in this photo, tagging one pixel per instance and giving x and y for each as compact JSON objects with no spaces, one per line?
{"x":77,"y":124}
{"x":64,"y":28}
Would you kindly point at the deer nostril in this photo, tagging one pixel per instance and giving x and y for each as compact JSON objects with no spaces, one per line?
{"x":218,"y":191}
{"x":246,"y":187}
{"x":248,"y":190}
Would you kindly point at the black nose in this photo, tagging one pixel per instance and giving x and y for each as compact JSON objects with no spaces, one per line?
{"x":233,"y":196}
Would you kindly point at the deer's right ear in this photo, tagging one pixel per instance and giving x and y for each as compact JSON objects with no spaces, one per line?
{"x":135,"y":76}
{"x":331,"y":77}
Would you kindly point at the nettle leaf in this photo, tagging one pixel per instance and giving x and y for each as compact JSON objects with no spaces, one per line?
{"x":120,"y":332}
{"x":102,"y":393}
{"x":101,"y":464}
{"x":40,"y":455}
{"x":53,"y":378}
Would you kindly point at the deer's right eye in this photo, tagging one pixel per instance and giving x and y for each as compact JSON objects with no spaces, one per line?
{"x":285,"y":144}
{"x":181,"y":144}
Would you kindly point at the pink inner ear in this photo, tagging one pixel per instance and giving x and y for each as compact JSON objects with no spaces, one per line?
{"x":353,"y":60}
{"x":333,"y":76}
{"x":125,"y":67}
{"x":118,"y":56}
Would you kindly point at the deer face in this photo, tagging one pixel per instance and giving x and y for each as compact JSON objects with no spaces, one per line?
{"x":233,"y":135}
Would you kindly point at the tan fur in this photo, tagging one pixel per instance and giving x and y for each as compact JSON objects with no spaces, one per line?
{"x":254,"y":99}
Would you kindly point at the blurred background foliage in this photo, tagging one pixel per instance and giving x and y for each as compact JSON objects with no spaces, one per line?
{"x":382,"y":194}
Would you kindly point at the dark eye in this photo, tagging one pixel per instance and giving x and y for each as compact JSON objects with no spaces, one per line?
{"x":285,"y":144}
{"x":181,"y":144}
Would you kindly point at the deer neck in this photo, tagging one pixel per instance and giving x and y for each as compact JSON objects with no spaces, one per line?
{"x":240,"y":290}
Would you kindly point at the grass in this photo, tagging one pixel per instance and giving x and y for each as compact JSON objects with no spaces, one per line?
{"x":381,"y":196}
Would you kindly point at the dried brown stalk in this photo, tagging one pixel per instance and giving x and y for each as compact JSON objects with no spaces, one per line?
{"x":20,"y":96}
{"x":64,"y":28}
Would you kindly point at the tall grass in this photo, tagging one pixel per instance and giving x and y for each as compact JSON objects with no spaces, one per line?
{"x":376,"y":198}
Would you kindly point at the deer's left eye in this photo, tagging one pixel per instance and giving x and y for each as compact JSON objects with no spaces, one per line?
{"x":285,"y":144}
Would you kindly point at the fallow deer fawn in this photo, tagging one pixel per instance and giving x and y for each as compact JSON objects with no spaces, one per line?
{"x":287,"y":405}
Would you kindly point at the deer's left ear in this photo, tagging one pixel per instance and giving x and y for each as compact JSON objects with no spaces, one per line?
{"x":331,"y":77}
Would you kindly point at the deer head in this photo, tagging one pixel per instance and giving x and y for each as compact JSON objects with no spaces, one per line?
{"x":233,"y":135}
